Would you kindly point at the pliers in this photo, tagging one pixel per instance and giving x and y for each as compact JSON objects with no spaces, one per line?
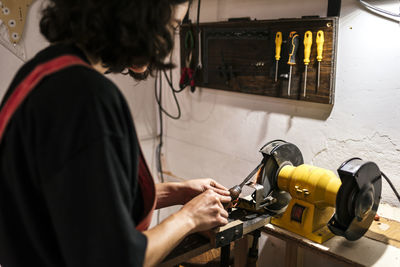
{"x":187,"y":74}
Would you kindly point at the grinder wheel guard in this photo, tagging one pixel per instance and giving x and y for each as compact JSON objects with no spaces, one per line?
{"x":357,"y":199}
{"x":276,"y":154}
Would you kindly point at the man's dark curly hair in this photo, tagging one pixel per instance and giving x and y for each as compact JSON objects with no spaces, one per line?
{"x":121,"y":33}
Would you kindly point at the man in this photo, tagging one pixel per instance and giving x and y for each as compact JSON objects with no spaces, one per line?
{"x":74,"y":187}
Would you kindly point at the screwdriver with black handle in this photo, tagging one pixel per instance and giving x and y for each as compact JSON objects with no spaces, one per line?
{"x":278,"y":45}
{"x":320,"y":49}
{"x":307,"y":52}
{"x":293,"y":47}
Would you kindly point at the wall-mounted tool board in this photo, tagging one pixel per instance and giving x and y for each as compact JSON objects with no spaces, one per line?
{"x":240,"y":57}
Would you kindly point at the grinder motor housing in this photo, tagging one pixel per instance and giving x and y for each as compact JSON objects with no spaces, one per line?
{"x":314,"y":202}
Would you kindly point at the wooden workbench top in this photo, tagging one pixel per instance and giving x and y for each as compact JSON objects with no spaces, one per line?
{"x":363,"y":252}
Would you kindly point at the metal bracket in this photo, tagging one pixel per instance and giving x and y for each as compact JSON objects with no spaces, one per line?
{"x":334,"y":8}
{"x":228,"y":235}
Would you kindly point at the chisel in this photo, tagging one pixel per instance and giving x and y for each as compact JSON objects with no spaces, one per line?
{"x":307,"y":52}
{"x":293,"y":47}
{"x":320,"y":49}
{"x":278,"y":44}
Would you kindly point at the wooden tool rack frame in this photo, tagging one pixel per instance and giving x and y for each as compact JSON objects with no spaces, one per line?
{"x":240,"y":57}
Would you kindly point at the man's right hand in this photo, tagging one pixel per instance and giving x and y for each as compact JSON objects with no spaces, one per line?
{"x":206,"y":211}
{"x":203,"y":212}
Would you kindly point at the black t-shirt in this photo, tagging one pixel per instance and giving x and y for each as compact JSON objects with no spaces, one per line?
{"x":68,"y":173}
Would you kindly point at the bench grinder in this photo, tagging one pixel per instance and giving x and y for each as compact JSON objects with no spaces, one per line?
{"x":310,"y":201}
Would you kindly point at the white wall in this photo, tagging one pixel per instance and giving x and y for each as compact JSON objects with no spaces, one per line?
{"x":220,"y":132}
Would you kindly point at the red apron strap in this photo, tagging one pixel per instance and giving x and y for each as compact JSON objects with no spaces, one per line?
{"x":147,"y":186}
{"x":20,"y":93}
{"x":25,"y":87}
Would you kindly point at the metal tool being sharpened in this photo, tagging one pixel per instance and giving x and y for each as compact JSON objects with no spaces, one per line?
{"x":311,"y":201}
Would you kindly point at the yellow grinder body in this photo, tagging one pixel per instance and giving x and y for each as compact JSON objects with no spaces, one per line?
{"x":313,"y":191}
{"x":315,"y":185}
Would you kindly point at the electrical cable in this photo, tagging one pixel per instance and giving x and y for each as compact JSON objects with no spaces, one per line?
{"x":160,"y":144}
{"x":391,"y":185}
{"x":381,"y":11}
{"x":161,"y":110}
{"x":169,"y":81}
{"x":198,"y":66}
{"x":158,"y":100}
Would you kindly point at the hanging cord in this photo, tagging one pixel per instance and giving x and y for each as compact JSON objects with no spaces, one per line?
{"x":381,"y":11}
{"x":160,"y":118}
{"x":169,"y":81}
{"x":391,"y":185}
{"x":158,"y":96}
{"x":174,"y":92}
{"x":161,"y":109}
{"x":160,"y":144}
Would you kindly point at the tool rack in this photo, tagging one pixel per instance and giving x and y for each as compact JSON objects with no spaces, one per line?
{"x":239,"y":56}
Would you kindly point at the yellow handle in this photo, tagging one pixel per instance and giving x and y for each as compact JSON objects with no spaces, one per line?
{"x":320,"y":44}
{"x":278,"y":44}
{"x":307,"y":47}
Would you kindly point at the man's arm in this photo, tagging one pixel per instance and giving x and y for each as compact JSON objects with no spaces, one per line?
{"x":201,"y":213}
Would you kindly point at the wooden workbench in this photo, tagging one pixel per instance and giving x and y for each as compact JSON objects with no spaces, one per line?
{"x":376,"y":248}
{"x":234,"y":235}
{"x":379,"y":247}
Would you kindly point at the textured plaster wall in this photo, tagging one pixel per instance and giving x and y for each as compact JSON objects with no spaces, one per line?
{"x":220,"y":132}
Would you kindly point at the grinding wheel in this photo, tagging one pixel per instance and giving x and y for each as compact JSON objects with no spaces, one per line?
{"x":276,"y":154}
{"x":357,"y":199}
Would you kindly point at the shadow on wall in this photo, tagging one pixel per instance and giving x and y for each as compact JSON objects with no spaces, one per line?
{"x":339,"y":252}
{"x":267,"y":104}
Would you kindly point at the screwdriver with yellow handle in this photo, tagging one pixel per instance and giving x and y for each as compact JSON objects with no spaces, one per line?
{"x":320,"y":49}
{"x":278,"y":45}
{"x":307,"y":53}
{"x":293,"y":47}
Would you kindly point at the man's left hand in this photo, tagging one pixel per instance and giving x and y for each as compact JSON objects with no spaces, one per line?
{"x":195,"y":187}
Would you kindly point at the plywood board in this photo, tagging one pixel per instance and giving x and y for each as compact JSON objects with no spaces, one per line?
{"x":386,"y":231}
{"x":363,"y":252}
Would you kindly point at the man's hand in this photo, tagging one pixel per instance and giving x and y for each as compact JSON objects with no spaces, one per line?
{"x":195,"y":187}
{"x":179,"y":193}
{"x":205,"y":211}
